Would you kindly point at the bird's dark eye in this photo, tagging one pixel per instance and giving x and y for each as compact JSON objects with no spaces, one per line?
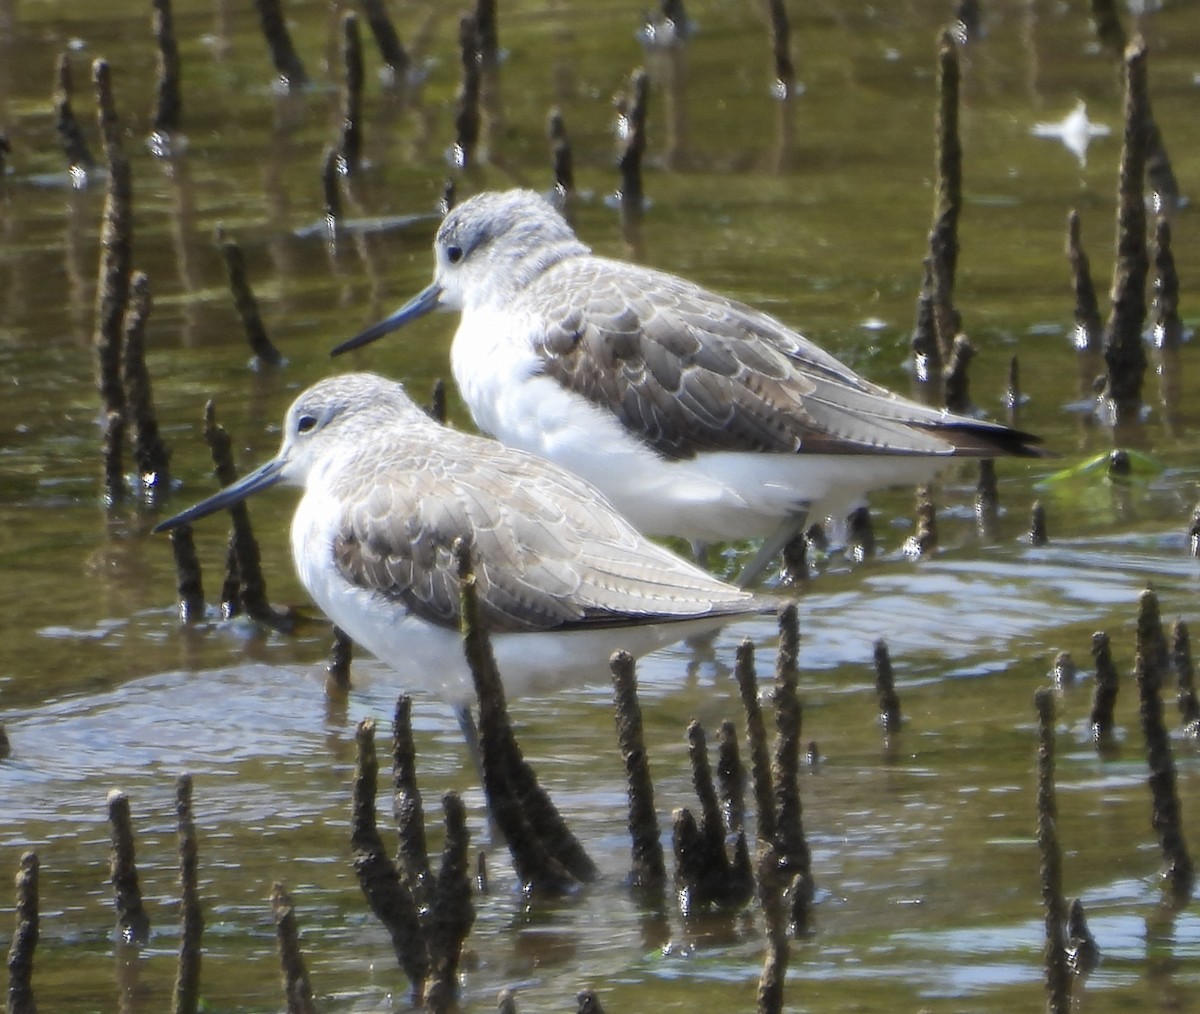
{"x":306,"y":423}
{"x":454,"y":254}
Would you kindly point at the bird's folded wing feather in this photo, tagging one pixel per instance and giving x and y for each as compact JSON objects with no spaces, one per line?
{"x":548,"y":551}
{"x":690,"y":371}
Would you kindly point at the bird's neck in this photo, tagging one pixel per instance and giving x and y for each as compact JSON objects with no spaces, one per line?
{"x":528,"y":263}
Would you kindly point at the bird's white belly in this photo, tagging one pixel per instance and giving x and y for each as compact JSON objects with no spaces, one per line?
{"x":713,"y":497}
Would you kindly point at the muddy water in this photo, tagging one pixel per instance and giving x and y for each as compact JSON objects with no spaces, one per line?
{"x":923,"y":852}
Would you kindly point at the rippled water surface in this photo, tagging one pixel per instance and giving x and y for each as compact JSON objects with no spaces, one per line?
{"x":923,"y":850}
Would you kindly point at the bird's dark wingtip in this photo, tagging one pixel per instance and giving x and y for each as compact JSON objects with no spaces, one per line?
{"x":1020,"y":444}
{"x":987,"y":439}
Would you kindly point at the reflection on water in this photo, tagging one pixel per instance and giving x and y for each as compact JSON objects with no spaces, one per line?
{"x":815,"y":209}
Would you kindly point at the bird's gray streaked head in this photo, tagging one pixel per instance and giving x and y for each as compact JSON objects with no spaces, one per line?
{"x":486,"y":251}
{"x":335,"y":413}
{"x":496,"y":243}
{"x":346,"y":408}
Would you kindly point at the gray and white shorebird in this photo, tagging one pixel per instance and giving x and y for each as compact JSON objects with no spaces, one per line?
{"x":563,"y":580}
{"x":698,"y":416}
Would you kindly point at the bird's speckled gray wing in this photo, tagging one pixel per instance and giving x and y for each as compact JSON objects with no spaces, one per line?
{"x":549,"y":552}
{"x":690,"y":371}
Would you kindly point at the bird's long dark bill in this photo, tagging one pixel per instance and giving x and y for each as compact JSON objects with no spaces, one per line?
{"x":262,"y":477}
{"x":423,"y":302}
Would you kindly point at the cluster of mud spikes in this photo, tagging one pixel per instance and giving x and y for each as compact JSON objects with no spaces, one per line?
{"x":429,"y":916}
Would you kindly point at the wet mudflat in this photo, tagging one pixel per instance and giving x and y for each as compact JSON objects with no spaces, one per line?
{"x":924,"y":857}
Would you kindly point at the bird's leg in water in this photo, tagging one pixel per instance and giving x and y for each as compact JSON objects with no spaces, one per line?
{"x":771,"y":548}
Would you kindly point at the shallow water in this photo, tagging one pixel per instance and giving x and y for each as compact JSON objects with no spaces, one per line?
{"x":923,"y":850}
